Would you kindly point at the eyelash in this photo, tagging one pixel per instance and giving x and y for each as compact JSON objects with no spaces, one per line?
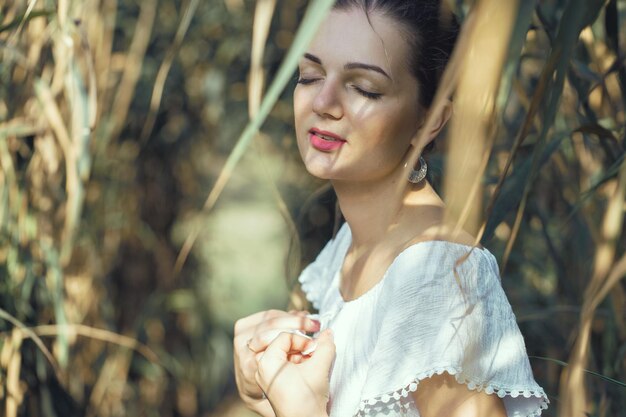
{"x":305,"y":81}
{"x":364,"y":93}
{"x":368,"y":94}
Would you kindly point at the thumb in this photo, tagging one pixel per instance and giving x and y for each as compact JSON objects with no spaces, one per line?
{"x":322,"y":358}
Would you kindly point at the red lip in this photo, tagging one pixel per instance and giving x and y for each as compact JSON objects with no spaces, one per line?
{"x":328,"y":143}
{"x":319,"y":132}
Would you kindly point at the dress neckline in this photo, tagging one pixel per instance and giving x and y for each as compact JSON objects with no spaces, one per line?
{"x":337,"y":277}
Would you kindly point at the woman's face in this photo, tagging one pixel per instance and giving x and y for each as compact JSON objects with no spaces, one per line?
{"x":356,"y":103}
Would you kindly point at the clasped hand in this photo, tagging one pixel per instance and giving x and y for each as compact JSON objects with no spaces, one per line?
{"x":279,"y":372}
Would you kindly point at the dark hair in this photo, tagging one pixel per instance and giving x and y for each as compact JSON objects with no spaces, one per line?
{"x":432,"y":31}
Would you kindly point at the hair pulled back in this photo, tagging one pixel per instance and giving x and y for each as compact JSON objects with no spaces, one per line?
{"x":431,"y":30}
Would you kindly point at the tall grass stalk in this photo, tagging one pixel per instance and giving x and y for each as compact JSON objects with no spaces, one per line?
{"x":316,"y":12}
{"x":473,"y":130}
{"x":87,"y":113}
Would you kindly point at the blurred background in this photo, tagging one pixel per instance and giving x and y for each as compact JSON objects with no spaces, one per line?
{"x":118,"y":116}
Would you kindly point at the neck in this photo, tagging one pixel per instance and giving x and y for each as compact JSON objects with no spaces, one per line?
{"x":378,"y":211}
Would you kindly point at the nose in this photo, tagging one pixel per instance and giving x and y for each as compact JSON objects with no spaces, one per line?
{"x":327,"y":102}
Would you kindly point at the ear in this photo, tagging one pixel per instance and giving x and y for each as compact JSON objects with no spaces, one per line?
{"x":441,"y":118}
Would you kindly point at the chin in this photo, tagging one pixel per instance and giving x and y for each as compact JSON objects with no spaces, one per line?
{"x":323,"y":171}
{"x":320,"y":173}
{"x":319,"y":165}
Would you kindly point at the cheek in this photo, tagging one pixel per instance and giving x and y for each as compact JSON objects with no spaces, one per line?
{"x":393,"y":126}
{"x":405,"y":124}
{"x":395,"y":130}
{"x":300,"y":105}
{"x":299,"y":116}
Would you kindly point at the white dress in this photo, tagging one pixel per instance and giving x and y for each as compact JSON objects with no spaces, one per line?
{"x":422,"y":318}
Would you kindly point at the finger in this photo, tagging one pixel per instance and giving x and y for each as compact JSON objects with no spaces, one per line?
{"x":283,"y":322}
{"x":247,"y":371}
{"x":322,"y":359}
{"x":263,"y":408}
{"x":299,"y":312}
{"x":315,"y":317}
{"x":276,"y":352}
{"x":275,"y":320}
{"x":326,"y":343}
{"x":263,"y":340}
{"x":295,"y":358}
{"x":285,"y":343}
{"x":296,"y":322}
{"x":305,"y":313}
{"x":246,"y":383}
{"x":252,"y":322}
{"x":247,"y":323}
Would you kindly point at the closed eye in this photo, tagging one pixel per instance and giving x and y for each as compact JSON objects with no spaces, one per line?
{"x":364,"y":93}
{"x":305,"y":81}
{"x":367,"y":94}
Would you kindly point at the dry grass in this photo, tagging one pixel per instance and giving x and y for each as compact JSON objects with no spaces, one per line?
{"x":84,"y":101}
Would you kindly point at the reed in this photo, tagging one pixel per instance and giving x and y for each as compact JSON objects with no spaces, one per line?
{"x":125,"y":125}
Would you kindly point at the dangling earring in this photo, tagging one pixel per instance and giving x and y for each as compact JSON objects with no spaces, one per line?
{"x":417,"y":175}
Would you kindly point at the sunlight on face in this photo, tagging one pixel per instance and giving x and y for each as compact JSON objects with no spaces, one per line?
{"x":356,"y":103}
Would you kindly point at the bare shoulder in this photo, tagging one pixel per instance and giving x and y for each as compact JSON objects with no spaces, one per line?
{"x":442,"y":396}
{"x":447,"y":233}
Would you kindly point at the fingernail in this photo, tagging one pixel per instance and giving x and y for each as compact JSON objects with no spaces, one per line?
{"x":299,"y":333}
{"x":315,"y":322}
{"x":310,"y":349}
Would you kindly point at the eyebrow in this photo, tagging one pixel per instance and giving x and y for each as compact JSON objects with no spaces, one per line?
{"x":351,"y":65}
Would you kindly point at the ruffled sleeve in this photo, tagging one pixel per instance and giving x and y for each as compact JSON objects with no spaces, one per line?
{"x":315,"y":279}
{"x":447,"y":317}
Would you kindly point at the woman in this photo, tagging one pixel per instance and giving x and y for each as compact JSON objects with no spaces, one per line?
{"x":420,"y":324}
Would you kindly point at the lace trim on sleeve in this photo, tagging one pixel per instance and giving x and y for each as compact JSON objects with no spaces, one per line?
{"x":392,"y":400}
